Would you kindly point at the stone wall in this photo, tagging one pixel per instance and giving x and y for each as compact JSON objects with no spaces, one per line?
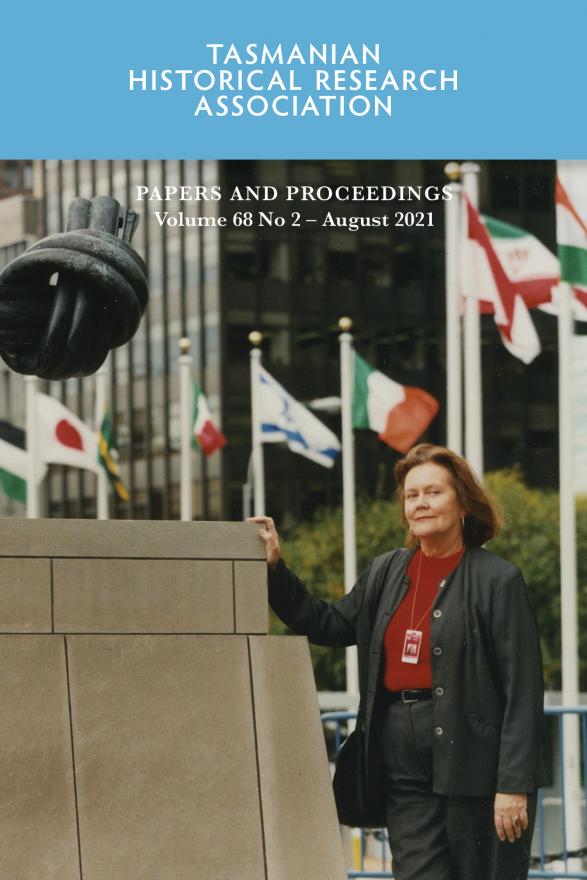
{"x":150,"y":728}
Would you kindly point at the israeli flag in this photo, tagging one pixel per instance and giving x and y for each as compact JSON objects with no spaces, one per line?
{"x":284,"y":420}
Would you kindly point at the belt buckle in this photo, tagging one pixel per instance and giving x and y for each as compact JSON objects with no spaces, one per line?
{"x":405,"y":691}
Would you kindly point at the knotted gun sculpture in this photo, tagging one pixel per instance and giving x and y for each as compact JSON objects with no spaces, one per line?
{"x":72,"y":297}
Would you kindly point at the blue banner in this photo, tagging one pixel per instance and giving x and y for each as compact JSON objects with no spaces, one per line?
{"x":305,"y":80}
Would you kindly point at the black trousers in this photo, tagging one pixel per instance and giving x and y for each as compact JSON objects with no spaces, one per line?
{"x":438,"y":837}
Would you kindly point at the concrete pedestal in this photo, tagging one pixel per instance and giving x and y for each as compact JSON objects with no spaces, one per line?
{"x":150,"y":728}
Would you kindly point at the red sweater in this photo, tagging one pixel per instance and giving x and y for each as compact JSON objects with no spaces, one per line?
{"x":413,"y":612}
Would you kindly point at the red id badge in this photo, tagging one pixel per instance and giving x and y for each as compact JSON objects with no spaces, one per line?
{"x":412,"y":645}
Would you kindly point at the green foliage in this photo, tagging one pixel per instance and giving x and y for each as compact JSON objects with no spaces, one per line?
{"x":530,"y":539}
{"x":315,"y":552}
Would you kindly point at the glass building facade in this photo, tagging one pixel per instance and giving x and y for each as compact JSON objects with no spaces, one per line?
{"x":216,"y":284}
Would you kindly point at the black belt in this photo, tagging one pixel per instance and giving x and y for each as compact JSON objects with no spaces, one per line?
{"x":409,"y":696}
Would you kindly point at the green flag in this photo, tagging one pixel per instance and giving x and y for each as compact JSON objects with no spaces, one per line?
{"x":107,"y":456}
{"x":13,"y":462}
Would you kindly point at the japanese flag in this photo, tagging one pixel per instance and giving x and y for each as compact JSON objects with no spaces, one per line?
{"x":63,"y":438}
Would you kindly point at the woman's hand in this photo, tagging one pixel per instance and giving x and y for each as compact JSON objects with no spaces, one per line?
{"x":510,"y":815}
{"x":270,"y":537}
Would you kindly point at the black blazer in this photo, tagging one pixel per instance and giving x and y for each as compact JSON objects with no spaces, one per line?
{"x":487,"y":681}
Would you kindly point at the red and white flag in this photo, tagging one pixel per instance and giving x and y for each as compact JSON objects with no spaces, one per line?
{"x":206,"y":434}
{"x":485,"y":279}
{"x":63,"y":438}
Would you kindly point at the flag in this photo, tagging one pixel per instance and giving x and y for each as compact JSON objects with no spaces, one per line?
{"x":63,"y":438}
{"x":571,"y":229}
{"x":398,"y":413}
{"x":528,"y":264}
{"x":285,"y":420}
{"x":206,"y":434}
{"x":485,"y":279}
{"x":330,"y":404}
{"x":13,"y":461}
{"x":531,"y":267}
{"x":108,"y":458}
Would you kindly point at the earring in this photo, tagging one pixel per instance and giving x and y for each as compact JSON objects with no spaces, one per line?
{"x":463,"y":522}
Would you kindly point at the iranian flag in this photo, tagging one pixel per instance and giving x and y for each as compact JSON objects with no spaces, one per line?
{"x":398,"y":413}
{"x":571,"y":229}
{"x":528,"y":264}
{"x":531,"y":267}
{"x":485,"y":279}
{"x":206,"y":434}
{"x":63,"y":438}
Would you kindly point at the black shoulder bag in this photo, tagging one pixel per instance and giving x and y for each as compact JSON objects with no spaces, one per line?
{"x":360,"y":801}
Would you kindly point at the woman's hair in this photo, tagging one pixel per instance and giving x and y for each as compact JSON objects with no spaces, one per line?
{"x":483,"y":519}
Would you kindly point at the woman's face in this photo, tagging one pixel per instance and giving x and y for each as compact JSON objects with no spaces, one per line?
{"x":431,"y":504}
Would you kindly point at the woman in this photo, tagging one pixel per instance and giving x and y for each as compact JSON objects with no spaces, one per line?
{"x":450,"y":677}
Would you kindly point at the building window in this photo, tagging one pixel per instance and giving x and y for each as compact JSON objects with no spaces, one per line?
{"x":15,"y":177}
{"x":240,"y":257}
{"x":311,"y":262}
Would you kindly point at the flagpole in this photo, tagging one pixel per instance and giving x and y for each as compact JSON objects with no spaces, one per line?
{"x":256,"y":338}
{"x":454,"y":385}
{"x":185,"y":426}
{"x":472,"y":353}
{"x":102,"y":511}
{"x":348,"y":488}
{"x":32,"y":489}
{"x":568,"y":570}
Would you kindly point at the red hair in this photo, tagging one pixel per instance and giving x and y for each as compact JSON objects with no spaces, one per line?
{"x":483,"y":519}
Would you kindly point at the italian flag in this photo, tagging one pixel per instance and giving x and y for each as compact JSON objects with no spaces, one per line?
{"x":206,"y":434}
{"x":571,"y":229}
{"x":398,"y":413}
{"x":484,"y":278}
